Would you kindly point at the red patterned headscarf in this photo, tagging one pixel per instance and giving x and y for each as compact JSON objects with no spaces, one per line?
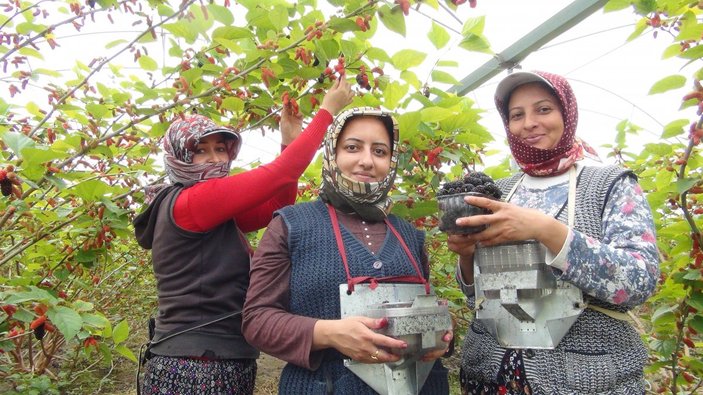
{"x":180,"y":144}
{"x":545,"y":162}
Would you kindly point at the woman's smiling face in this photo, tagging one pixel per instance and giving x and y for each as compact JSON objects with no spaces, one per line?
{"x":363,"y":151}
{"x":534,"y":116}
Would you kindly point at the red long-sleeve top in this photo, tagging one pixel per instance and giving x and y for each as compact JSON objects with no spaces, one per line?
{"x":251,"y":197}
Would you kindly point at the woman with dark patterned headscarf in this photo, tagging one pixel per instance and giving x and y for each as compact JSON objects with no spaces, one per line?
{"x":194,"y":227}
{"x":346,"y":238}
{"x":596,"y":226}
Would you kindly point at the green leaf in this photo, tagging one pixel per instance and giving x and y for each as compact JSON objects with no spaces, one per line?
{"x":34,"y":156}
{"x":221,"y":14}
{"x":98,"y":111}
{"x":164,"y":9}
{"x":663,"y":347}
{"x":51,"y":73}
{"x":615,"y":5}
{"x":67,"y":320}
{"x":105,"y":352}
{"x":438,"y":36}
{"x":231,"y":33}
{"x":378,"y":54}
{"x":82,"y":306}
{"x":33,"y":294}
{"x":148,"y":63}
{"x":279,"y":17}
{"x":91,"y":190}
{"x":33,"y":109}
{"x":693,"y":53}
{"x":126,"y":352}
{"x":329,"y":49}
{"x":692,"y":275}
{"x":115,"y":43}
{"x":441,"y":76}
{"x":696,"y":301}
{"x":393,"y":94}
{"x":685,"y":184}
{"x":343,"y":25}
{"x":17,"y":142}
{"x":407,"y":58}
{"x":86,"y":257}
{"x":475,"y":43}
{"x":435,"y":114}
{"x":184,"y":29}
{"x":674,"y":128}
{"x":233,"y":104}
{"x":640,"y":27}
{"x":671,"y":51}
{"x":667,"y":84}
{"x":121,"y":332}
{"x":30,"y":52}
{"x":392,"y":19}
{"x":689,"y":28}
{"x":447,"y":63}
{"x":696,"y":323}
{"x":474,"y":26}
{"x":26,"y":28}
{"x":95,"y":320}
{"x":408,"y":124}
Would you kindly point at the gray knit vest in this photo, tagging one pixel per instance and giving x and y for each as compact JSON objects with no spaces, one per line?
{"x":599,"y":354}
{"x":316,"y":272}
{"x":200,"y":276}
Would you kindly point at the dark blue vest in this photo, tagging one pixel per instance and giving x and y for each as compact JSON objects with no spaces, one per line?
{"x":317,"y":271}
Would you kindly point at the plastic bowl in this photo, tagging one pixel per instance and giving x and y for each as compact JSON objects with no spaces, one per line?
{"x":452,"y":207}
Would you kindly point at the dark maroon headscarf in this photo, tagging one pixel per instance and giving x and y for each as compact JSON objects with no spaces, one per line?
{"x":544,"y":162}
{"x":180,"y":143}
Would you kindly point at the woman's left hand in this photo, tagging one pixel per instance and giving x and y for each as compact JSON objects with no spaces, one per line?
{"x":509,"y":222}
{"x":432,"y":355}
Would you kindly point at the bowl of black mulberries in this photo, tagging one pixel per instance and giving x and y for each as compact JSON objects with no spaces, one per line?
{"x":450,"y":199}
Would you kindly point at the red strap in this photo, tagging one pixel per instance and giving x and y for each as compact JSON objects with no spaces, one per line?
{"x":412,"y":259}
{"x":245,"y":243}
{"x":351,"y":281}
{"x":340,"y":246}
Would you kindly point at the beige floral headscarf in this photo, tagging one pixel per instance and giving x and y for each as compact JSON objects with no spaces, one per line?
{"x":368,"y":199}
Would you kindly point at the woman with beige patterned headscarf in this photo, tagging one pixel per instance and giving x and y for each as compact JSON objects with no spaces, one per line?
{"x":346,"y":238}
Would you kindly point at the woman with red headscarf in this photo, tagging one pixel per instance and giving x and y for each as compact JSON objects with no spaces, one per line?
{"x":201,"y":259}
{"x":608,"y":251}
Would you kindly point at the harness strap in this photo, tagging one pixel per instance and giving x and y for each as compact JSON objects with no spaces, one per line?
{"x":352,"y":281}
{"x":618,"y":315}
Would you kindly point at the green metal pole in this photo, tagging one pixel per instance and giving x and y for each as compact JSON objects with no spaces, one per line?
{"x":513,"y":55}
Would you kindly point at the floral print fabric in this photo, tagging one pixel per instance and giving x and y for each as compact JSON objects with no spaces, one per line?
{"x":511,"y":379}
{"x":623,"y":267}
{"x":187,"y":376}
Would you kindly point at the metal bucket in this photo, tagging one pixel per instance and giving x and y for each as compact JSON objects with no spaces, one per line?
{"x":519,"y":299}
{"x":419,"y":319}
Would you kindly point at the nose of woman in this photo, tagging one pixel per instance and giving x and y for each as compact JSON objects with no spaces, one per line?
{"x":212,"y":156}
{"x":366,"y":158}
